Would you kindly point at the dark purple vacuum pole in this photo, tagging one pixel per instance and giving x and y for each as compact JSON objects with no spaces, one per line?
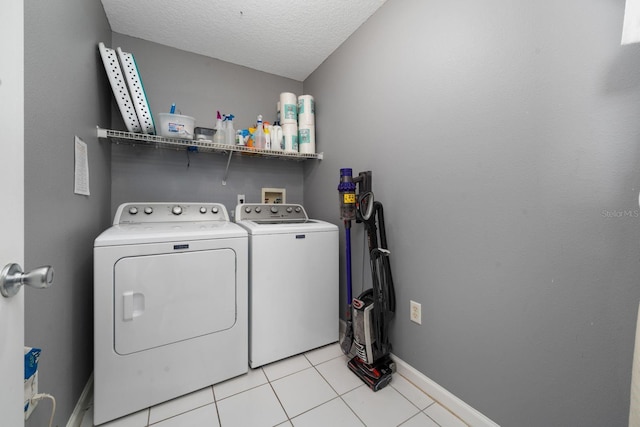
{"x":347,"y":190}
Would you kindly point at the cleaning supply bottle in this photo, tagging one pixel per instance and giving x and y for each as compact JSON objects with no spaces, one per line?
{"x":259,"y":140}
{"x":218,"y":138}
{"x":267,"y":135}
{"x":229,"y":132}
{"x":277,"y":142}
{"x":246,"y":138}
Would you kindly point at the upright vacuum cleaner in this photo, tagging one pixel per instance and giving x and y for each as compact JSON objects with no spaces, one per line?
{"x":368,"y":315}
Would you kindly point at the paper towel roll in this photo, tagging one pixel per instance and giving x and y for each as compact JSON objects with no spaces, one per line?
{"x":290,"y":136}
{"x":306,"y":110}
{"x":288,"y":108}
{"x":307,"y":139}
{"x":634,"y":407}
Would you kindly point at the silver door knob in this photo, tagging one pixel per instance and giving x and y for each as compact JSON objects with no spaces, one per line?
{"x":12,"y":277}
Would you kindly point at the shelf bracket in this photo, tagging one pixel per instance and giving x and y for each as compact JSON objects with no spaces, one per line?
{"x":226,"y":172}
{"x":102,"y":133}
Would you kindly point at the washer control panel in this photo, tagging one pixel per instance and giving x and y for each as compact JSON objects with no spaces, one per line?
{"x":131,"y":213}
{"x":270,"y":213}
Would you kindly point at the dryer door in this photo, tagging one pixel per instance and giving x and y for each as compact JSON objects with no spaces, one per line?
{"x":163,"y":299}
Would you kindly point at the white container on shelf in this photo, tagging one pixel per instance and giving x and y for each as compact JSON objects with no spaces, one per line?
{"x":277,"y":140}
{"x":176,"y":125}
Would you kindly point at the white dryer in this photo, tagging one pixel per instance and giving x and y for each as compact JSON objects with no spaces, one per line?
{"x":293,"y":281}
{"x":170,"y":304}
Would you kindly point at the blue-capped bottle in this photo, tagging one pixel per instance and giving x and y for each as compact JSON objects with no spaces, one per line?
{"x":229,"y":132}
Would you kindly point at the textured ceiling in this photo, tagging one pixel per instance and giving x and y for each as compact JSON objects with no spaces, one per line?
{"x":290,"y":38}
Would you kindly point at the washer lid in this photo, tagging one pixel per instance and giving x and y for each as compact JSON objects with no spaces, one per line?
{"x":311,"y":226}
{"x":126,"y":234}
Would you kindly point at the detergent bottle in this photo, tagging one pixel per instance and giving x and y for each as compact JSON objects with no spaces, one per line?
{"x":229,"y":132}
{"x":259,"y":139}
{"x":219,"y":138}
{"x":277,"y":142}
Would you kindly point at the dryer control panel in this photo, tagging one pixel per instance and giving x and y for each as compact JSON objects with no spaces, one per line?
{"x":270,"y":213}
{"x":131,"y":213}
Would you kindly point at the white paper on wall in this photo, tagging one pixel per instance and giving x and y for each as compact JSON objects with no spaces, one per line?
{"x":81,"y":168}
{"x":631,"y":23}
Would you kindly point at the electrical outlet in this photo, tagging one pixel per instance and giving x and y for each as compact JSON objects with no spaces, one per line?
{"x":240,"y":199}
{"x":415,"y":312}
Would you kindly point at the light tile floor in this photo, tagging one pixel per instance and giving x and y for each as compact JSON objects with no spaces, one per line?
{"x":315,"y":389}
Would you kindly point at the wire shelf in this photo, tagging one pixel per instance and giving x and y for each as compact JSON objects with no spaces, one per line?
{"x":203,"y":146}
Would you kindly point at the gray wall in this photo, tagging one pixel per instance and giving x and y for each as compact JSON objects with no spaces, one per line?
{"x":199,"y":86}
{"x":504,"y":142}
{"x":66,"y":94}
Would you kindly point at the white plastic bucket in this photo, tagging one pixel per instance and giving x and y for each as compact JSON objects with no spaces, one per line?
{"x":176,"y":125}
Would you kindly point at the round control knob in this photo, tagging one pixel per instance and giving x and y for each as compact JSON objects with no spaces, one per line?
{"x":203,"y":210}
{"x":176,"y":210}
{"x":274,"y":209}
{"x":148,"y":210}
{"x":289,"y":209}
{"x":247,"y":209}
{"x":258,"y":209}
{"x":133,"y":210}
{"x":214,"y":210}
{"x":298,"y":209}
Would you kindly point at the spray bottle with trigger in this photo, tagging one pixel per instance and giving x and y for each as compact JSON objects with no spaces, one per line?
{"x":229,"y":132}
{"x":218,"y":138}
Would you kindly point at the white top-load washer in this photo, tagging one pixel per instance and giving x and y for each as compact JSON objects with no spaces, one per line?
{"x":293,"y":281}
{"x":170,"y":304}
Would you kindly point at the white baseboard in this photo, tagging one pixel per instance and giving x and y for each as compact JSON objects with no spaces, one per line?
{"x":83,"y":404}
{"x":441,"y":395}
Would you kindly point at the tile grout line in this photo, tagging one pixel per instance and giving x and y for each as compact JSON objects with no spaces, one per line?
{"x":278,"y":397}
{"x":435,"y":401}
{"x":339,"y":396}
{"x":215,"y":402}
{"x":400,"y":393}
{"x":429,"y":406}
{"x":351,"y":409}
{"x":420,"y":411}
{"x":176,"y":415}
{"x":336,"y":391}
{"x":279,"y":401}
